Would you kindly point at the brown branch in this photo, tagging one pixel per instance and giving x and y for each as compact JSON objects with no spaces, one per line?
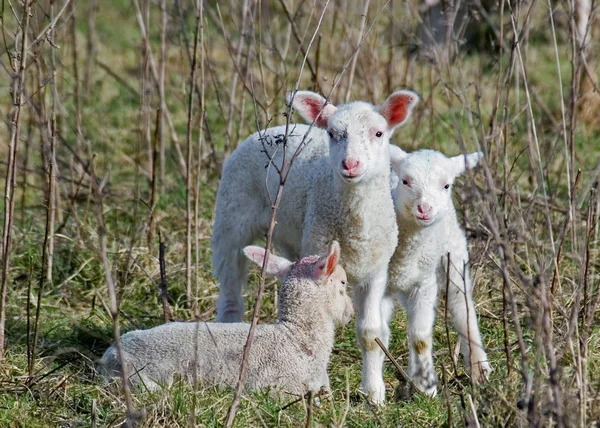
{"x":164,"y":296}
{"x":189,"y":190}
{"x":397,"y":366}
{"x":156,"y":78}
{"x":363,"y":22}
{"x":153,"y":180}
{"x":300,"y":42}
{"x":9,"y":186}
{"x":114,"y":306}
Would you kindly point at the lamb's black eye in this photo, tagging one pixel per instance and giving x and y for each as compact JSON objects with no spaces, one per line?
{"x":405,"y":182}
{"x":330,"y":134}
{"x":378,"y":134}
{"x":447,"y":186}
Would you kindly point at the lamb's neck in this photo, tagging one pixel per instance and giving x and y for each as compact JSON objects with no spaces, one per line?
{"x":351,"y":194}
{"x":315,"y":335}
{"x":409,"y":230}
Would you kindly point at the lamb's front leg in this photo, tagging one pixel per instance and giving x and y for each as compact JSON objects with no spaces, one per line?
{"x":320,"y":383}
{"x":373,"y":314}
{"x":420,"y":305}
{"x":464,"y":318}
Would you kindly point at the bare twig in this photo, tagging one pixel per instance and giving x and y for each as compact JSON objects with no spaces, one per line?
{"x":9,"y":185}
{"x":189,"y":189}
{"x":114,"y":306}
{"x":164,"y":295}
{"x":50,"y":26}
{"x":363,"y":21}
{"x":156,"y":78}
{"x":397,"y":366}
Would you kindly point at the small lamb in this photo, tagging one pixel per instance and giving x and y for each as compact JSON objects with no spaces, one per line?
{"x":428,"y":231}
{"x":290,"y":356}
{"x":338,"y":189}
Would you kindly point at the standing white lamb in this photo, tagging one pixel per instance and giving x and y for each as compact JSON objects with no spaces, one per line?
{"x":290,"y":356}
{"x":428,"y":231}
{"x":338,"y":189}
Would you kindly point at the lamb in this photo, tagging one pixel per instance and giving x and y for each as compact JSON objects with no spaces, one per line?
{"x":290,"y":356}
{"x":338,"y":189}
{"x":428,"y":231}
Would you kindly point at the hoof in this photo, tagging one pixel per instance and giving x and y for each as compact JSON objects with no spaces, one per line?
{"x":375,"y":396}
{"x":480,"y":372}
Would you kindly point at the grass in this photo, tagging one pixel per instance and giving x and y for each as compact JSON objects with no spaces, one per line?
{"x":458,"y":100}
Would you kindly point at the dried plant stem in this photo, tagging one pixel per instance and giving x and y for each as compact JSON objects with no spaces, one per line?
{"x":48,"y":245}
{"x":309,"y":410}
{"x":155,"y":77}
{"x":446,"y":315}
{"x":473,"y":411}
{"x":200,"y":12}
{"x":91,"y":47}
{"x":164,"y":295}
{"x":256,"y":314}
{"x":397,"y":366}
{"x":298,"y":38}
{"x":161,"y":86}
{"x":153,"y":180}
{"x":50,"y":25}
{"x":112,"y":293}
{"x":234,"y":77}
{"x":28,"y":314}
{"x":189,"y":189}
{"x":24,"y":179}
{"x":19,"y":66}
{"x":363,"y":22}
{"x":76,"y":84}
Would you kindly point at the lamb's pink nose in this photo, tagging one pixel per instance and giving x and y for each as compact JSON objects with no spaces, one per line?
{"x":350,"y":164}
{"x":424,"y":208}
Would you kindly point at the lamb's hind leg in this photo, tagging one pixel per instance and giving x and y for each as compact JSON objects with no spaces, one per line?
{"x":462,"y":309}
{"x":420,"y":304}
{"x":230,"y":264}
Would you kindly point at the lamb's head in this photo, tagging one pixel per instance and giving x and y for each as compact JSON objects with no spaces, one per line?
{"x":313,"y":280}
{"x":359,"y":132}
{"x":424,"y":192}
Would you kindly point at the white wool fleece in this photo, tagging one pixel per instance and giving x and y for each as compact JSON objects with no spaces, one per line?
{"x":288,"y":357}
{"x":428,"y":232}
{"x":338,"y":189}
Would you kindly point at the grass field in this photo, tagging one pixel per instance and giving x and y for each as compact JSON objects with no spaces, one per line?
{"x":88,"y":125}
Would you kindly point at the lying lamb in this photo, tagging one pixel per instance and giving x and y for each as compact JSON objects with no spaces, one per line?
{"x":290,"y":356}
{"x":428,"y":231}
{"x":338,"y":189}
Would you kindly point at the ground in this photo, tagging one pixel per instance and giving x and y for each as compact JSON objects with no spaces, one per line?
{"x":542,"y":341}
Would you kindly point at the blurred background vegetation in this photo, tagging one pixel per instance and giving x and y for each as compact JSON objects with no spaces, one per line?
{"x":119,"y":115}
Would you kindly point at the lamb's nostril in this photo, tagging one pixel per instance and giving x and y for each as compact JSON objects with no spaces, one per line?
{"x":424,"y":208}
{"x":350,"y":163}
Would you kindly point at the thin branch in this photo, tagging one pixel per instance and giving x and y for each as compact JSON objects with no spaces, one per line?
{"x":9,"y":185}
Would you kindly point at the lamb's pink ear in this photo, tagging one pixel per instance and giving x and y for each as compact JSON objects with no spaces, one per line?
{"x":461,"y":163}
{"x":276,"y":266}
{"x":312,"y":106}
{"x":327,"y":264}
{"x":398,"y":107}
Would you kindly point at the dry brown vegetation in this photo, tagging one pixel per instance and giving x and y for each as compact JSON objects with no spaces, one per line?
{"x":118,"y":117}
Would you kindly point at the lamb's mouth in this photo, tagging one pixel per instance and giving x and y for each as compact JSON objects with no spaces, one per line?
{"x":425,"y":221}
{"x":355,"y":178}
